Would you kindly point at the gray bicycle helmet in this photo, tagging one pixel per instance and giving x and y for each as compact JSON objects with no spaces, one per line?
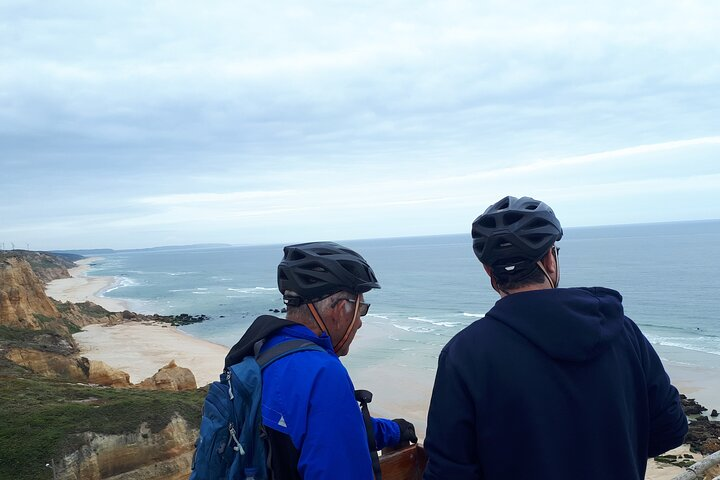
{"x":316,"y":270}
{"x":513,"y":234}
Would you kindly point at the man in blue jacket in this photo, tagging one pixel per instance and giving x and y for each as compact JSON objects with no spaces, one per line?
{"x":552,"y":383}
{"x":314,"y":425}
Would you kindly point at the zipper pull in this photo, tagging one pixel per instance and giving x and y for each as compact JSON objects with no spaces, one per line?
{"x":230,"y":392}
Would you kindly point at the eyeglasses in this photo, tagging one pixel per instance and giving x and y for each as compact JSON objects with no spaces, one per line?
{"x":363,"y":308}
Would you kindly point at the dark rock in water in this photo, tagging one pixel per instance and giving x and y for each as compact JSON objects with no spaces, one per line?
{"x":690,"y":406}
{"x":222,"y":316}
{"x":185,"y":319}
{"x":714,"y":413}
{"x":283,"y":310}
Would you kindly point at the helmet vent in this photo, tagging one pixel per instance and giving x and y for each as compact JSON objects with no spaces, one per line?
{"x":537,"y":223}
{"x":487,"y":222}
{"x":296,"y":255}
{"x":512,"y":217}
{"x":535,"y":239}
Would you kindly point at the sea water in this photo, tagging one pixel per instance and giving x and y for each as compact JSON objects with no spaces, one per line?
{"x":433,"y":287}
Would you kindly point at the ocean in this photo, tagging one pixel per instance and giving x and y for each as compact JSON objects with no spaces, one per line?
{"x":432,"y":287}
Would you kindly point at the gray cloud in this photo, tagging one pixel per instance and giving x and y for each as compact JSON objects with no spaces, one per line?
{"x":101,"y":103}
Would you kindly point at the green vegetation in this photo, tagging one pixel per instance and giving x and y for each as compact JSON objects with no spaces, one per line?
{"x":17,"y":335}
{"x":91,"y":309}
{"x":40,"y":418}
{"x":72,"y":328}
{"x":43,"y":318}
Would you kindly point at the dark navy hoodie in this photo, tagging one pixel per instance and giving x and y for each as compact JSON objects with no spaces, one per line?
{"x":551,"y":384}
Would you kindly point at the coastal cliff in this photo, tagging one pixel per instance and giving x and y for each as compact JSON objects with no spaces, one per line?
{"x":23,"y":302}
{"x":58,"y":419}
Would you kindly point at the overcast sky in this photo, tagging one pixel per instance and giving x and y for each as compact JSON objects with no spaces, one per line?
{"x":137,"y":124}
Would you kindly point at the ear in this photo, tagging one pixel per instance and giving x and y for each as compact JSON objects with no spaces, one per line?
{"x":549,"y":261}
{"x":488,"y":270}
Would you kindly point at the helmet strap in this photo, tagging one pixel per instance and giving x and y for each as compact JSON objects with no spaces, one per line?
{"x":338,"y":346}
{"x":318,"y":319}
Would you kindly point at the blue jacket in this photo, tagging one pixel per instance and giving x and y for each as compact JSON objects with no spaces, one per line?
{"x":309,"y":397}
{"x":551,"y":384}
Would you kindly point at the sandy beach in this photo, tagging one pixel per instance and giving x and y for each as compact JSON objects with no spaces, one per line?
{"x":140,"y":349}
{"x":81,"y":288}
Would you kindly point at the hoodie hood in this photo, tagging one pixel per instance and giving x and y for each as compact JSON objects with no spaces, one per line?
{"x":572,"y":324}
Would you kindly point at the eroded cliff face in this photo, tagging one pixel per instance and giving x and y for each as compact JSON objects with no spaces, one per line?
{"x":23,"y":302}
{"x":50,"y":364}
{"x":163,"y":455}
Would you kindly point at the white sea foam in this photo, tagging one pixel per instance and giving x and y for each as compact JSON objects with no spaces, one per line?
{"x":121,"y":282}
{"x":420,"y":319}
{"x":409,"y":328}
{"x":689,"y":346}
{"x":696,"y":344}
{"x":447,"y":324}
{"x":473,"y":315}
{"x":435,"y":322}
{"x":254,"y":290}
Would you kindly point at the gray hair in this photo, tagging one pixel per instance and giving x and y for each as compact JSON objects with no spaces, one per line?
{"x":301,"y":313}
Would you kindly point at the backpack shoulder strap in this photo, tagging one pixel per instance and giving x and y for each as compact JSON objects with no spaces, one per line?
{"x":283,"y":349}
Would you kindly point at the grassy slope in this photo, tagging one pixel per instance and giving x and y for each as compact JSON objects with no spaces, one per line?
{"x":39,"y":417}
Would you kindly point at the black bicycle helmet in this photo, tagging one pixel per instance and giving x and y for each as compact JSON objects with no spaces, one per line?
{"x":316,"y":270}
{"x":513,"y":234}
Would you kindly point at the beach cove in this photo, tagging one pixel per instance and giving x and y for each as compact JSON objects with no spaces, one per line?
{"x":137,"y":348}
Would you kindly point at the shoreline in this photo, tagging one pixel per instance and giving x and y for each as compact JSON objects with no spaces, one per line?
{"x":80,"y":287}
{"x":138,"y":348}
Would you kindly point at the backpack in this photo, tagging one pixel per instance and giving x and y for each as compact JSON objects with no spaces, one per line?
{"x":230,"y":445}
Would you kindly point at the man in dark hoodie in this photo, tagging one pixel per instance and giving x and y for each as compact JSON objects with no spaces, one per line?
{"x":314,"y":426}
{"x":552,"y":383}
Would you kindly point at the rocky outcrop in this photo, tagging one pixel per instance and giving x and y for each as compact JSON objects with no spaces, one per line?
{"x":103,"y":374}
{"x":23,"y":303}
{"x":703,"y":436}
{"x":170,"y":377}
{"x":165,"y":455}
{"x":50,"y":364}
{"x":77,"y":369}
{"x":87,"y":313}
